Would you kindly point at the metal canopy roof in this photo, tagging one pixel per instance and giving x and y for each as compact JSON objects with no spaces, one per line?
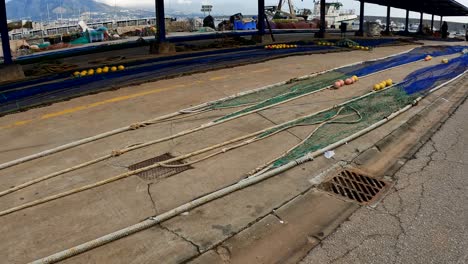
{"x":435,"y":7}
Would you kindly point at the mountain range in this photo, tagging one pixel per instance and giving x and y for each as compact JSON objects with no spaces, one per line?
{"x":44,"y":9}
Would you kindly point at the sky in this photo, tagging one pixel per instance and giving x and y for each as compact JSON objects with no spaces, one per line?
{"x":229,"y":7}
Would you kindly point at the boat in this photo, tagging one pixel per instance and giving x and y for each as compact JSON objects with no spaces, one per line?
{"x":334,"y":15}
{"x":413,"y":28}
{"x":307,"y":18}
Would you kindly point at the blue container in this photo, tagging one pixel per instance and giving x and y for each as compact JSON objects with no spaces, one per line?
{"x":239,"y":25}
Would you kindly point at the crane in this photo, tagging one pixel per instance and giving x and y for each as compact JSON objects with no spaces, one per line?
{"x":291,"y":7}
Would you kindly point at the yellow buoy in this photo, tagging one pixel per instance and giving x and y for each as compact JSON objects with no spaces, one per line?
{"x":113,"y":68}
{"x":105,"y":69}
{"x":91,"y":72}
{"x":98,"y":71}
{"x":377,"y":87}
{"x":84,"y":73}
{"x":389,"y":82}
{"x":355,"y":78}
{"x":121,"y":68}
{"x":76,"y":74}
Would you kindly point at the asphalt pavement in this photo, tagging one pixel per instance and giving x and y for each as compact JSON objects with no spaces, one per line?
{"x":424,"y":219}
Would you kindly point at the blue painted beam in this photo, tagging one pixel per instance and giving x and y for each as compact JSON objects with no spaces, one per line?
{"x":160,"y":21}
{"x":421,"y":23}
{"x":361,"y":19}
{"x":4,"y":32}
{"x":322,"y":18}
{"x":261,"y":17}
{"x":387,"y":29}
{"x":407,"y":21}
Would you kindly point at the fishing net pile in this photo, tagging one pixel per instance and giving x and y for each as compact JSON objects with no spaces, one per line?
{"x":296,"y":88}
{"x":357,"y":115}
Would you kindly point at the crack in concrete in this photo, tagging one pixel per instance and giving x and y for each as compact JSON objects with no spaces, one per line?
{"x":402,"y":232}
{"x":457,"y":140}
{"x":397,"y":217}
{"x":431,"y":143}
{"x":197,"y":247}
{"x":156,"y":211}
{"x":349,"y":251}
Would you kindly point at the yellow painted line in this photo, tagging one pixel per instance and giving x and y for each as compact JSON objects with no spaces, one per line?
{"x":64,"y":112}
{"x":261,"y":70}
{"x":17,"y":123}
{"x":88,"y":106}
{"x":20,"y":123}
{"x":216,"y":78}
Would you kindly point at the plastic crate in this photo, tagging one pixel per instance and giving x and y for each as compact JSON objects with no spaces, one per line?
{"x":239,"y":25}
{"x":95,"y":36}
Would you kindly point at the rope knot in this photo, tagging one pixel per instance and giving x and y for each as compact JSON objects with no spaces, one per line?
{"x":137,"y":126}
{"x":116,"y":153}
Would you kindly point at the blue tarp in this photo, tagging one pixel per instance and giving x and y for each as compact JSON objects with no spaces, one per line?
{"x":16,"y":96}
{"x":428,"y":78}
{"x":412,"y":56}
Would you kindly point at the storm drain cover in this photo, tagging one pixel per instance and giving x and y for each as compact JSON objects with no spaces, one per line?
{"x":158,"y":172}
{"x":356,"y":186}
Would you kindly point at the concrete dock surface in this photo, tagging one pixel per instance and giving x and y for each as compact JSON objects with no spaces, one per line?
{"x":277,"y":220}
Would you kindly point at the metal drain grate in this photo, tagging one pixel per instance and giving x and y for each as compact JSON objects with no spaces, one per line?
{"x":158,"y":172}
{"x":356,"y":186}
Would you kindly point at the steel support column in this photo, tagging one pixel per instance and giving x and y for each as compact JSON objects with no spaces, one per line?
{"x":387,"y":29}
{"x":4,"y":31}
{"x":160,"y":21}
{"x":322,"y":18}
{"x":261,"y":17}
{"x":421,"y":23}
{"x":407,"y":21}
{"x":361,"y":19}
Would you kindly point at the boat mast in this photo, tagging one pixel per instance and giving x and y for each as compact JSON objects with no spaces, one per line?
{"x":291,"y":9}
{"x":48,"y":14}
